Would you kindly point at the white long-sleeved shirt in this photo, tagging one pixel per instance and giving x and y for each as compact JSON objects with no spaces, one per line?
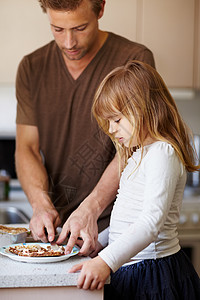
{"x":146,"y":211}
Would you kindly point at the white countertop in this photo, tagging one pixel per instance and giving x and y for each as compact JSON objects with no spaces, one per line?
{"x":22,"y":274}
{"x":19,"y":274}
{"x":15,"y":274}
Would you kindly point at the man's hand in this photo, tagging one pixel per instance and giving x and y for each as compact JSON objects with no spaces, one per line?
{"x":99,"y":247}
{"x":93,"y":254}
{"x":93,"y":274}
{"x":44,"y":223}
{"x":82,"y":225}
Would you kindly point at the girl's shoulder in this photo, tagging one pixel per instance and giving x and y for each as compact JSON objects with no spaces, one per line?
{"x":159,"y":156}
{"x":162,"y":152}
{"x":158,"y":150}
{"x":160,"y":146}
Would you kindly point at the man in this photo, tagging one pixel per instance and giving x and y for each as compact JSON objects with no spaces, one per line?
{"x":65,"y":164}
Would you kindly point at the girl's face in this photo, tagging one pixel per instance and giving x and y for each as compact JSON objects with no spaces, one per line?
{"x":122,"y":130}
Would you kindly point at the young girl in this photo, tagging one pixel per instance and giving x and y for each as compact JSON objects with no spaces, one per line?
{"x":134,"y":107}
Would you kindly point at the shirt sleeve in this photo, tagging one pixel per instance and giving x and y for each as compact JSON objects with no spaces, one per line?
{"x":162,"y":171}
{"x":103,"y":237}
{"x":25,"y":107}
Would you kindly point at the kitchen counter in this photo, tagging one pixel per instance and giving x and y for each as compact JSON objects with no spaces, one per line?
{"x":22,"y":281}
{"x":19,"y":274}
{"x":19,"y":280}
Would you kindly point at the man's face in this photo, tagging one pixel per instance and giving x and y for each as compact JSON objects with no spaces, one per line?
{"x":75,"y":32}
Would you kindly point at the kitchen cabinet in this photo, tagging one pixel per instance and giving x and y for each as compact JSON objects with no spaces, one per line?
{"x":168,"y":28}
{"x":171,"y":29}
{"x":120,"y":17}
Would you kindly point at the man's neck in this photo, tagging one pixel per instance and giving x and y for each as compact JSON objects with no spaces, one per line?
{"x":76,"y":67}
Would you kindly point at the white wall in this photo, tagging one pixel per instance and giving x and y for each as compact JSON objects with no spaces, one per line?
{"x":24,"y":28}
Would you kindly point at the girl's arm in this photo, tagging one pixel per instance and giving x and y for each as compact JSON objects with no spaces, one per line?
{"x":94,"y":273}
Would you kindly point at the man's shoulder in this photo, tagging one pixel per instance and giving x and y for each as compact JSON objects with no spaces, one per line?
{"x":39,"y":61}
{"x":42,"y":51}
{"x":122,"y":49}
{"x":125,"y":42}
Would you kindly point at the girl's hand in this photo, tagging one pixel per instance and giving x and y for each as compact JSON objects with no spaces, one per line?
{"x":93,"y":274}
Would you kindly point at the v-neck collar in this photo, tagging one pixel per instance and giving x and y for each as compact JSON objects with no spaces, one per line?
{"x":68,"y":74}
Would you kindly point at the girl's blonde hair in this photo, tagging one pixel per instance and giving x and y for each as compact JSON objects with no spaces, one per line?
{"x":138,"y":92}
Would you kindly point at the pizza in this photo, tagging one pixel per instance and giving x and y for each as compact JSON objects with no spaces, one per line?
{"x":36,"y":250}
{"x":12,"y":230}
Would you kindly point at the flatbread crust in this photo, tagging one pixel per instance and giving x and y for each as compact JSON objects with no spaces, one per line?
{"x":12,"y":230}
{"x":37,"y":250}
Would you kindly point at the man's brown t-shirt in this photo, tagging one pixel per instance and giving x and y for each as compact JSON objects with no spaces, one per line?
{"x":75,"y":151}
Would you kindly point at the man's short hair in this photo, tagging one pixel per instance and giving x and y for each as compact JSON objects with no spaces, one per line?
{"x":67,"y":5}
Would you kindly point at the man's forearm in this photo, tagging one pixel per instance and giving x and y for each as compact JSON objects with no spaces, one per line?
{"x":33,"y":177}
{"x":83,"y":221}
{"x":105,"y":191}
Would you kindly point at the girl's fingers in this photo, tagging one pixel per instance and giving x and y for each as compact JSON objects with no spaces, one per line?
{"x":88,"y":283}
{"x":94,"y":284}
{"x":100,"y":285}
{"x":75,"y":268}
{"x":81,"y":284}
{"x":84,"y":281}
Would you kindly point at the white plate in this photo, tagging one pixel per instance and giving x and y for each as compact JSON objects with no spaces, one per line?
{"x":49,"y":259}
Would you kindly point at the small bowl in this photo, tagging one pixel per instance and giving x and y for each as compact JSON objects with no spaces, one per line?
{"x":12,"y":237}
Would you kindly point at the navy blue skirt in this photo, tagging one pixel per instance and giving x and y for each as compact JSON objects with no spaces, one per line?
{"x":168,"y":278}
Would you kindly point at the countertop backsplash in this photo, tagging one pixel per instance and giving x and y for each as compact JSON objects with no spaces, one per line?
{"x":188,"y":102}
{"x":7,"y":110}
{"x":17,"y":199}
